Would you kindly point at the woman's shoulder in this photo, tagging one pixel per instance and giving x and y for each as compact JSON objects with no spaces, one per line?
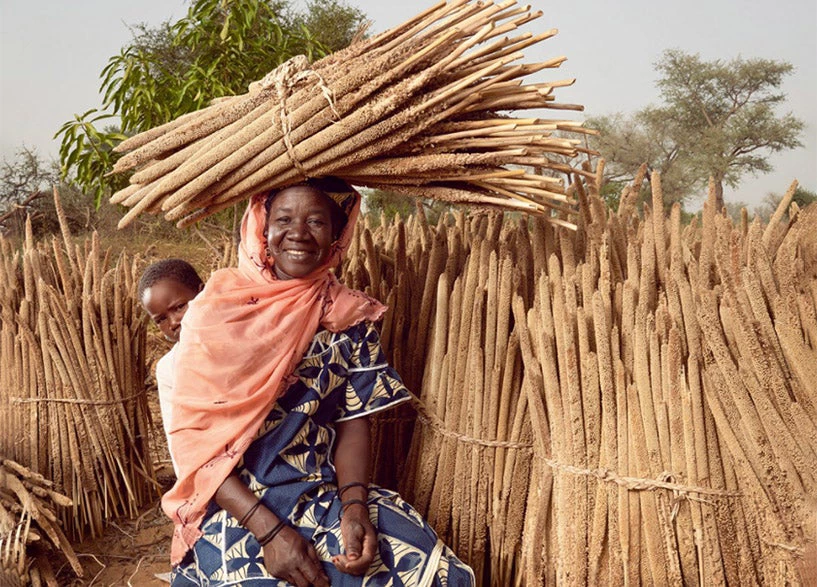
{"x":344,"y":341}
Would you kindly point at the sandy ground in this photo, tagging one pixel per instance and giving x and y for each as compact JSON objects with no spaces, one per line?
{"x":130,"y":552}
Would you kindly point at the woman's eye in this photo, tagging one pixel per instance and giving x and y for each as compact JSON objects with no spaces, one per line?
{"x":159,"y":320}
{"x":282,"y":220}
{"x":316,"y":222}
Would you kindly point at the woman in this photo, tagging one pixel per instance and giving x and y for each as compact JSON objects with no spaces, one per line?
{"x":277,"y":369}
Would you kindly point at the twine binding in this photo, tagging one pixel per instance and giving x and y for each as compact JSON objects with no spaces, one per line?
{"x":285,"y":77}
{"x":664,"y":481}
{"x":85,"y":402}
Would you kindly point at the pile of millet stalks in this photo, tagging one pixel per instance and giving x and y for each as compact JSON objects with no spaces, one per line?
{"x":414,"y":110}
{"x":29,"y":529}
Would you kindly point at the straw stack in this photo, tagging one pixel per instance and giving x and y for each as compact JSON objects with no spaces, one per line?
{"x":415,"y":110}
{"x":632,"y":403}
{"x":29,"y":529}
{"x":72,"y":386}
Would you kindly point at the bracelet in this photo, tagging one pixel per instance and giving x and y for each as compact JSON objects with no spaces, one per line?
{"x":344,"y":504}
{"x":246,"y":517}
{"x":267,"y":538}
{"x":353,"y":484}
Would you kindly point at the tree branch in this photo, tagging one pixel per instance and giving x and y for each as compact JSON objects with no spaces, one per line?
{"x":19,"y":206}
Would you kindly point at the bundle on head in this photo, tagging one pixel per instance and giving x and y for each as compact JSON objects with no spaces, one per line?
{"x":413,"y":110}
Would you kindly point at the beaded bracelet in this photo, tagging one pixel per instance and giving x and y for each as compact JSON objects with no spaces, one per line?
{"x":353,"y":484}
{"x":344,"y":504}
{"x":267,"y":538}
{"x":246,"y":517}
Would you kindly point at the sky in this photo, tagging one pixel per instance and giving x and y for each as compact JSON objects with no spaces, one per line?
{"x":52,"y":51}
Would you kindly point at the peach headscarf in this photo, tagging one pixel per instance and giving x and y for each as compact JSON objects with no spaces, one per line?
{"x":241,"y":340}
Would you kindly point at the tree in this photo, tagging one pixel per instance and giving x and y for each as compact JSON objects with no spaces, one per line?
{"x":643,"y":137}
{"x":23,"y":176}
{"x":802,"y":197}
{"x":391,"y":204}
{"x":718,"y":119}
{"x":216,"y":50}
{"x":25,"y":191}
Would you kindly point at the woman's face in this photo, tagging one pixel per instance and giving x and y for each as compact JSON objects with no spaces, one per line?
{"x":299,"y":231}
{"x":166,"y":303}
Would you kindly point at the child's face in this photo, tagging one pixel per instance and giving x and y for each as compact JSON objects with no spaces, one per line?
{"x":166,"y":303}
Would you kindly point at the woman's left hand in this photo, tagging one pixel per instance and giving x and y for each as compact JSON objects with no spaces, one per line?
{"x":359,"y":540}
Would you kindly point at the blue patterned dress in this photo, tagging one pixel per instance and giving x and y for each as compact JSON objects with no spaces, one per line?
{"x":289,"y":466}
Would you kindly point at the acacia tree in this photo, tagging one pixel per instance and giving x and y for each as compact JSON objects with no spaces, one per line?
{"x":627,"y":141}
{"x":718,"y":119}
{"x":216,"y":50}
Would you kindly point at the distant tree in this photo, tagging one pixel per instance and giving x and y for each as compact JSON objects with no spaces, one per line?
{"x":391,"y":204}
{"x":25,"y":191}
{"x":217,"y":49}
{"x":26,"y":174}
{"x":802,"y":197}
{"x":334,"y":23}
{"x":644,"y":137}
{"x":718,"y":119}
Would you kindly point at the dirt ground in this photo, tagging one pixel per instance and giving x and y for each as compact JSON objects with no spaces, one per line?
{"x":130,"y":552}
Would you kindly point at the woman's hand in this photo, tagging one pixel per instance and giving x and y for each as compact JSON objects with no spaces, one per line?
{"x":291,"y":558}
{"x":359,"y":541}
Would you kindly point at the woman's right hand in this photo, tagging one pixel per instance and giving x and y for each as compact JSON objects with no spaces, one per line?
{"x":288,"y":556}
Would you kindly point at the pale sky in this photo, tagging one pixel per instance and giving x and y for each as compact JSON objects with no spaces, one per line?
{"x":52,"y":51}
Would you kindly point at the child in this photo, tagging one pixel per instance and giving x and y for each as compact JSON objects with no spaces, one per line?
{"x":165,"y":289}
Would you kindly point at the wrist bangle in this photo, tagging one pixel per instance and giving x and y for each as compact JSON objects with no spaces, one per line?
{"x":267,"y":538}
{"x":353,"y":484}
{"x":246,"y":517}
{"x":345,"y":504}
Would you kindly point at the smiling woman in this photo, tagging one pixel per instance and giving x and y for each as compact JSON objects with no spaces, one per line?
{"x":277,"y":370}
{"x":300,"y":230}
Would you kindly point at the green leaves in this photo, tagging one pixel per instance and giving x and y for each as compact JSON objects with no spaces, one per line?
{"x":217,"y":49}
{"x":81,"y":137}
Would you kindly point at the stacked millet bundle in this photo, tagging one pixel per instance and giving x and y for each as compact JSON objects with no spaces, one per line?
{"x":30,"y":533}
{"x":632,"y":403}
{"x":412,"y":110}
{"x":72,"y":387}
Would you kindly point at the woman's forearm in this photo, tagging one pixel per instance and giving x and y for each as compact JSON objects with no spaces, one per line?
{"x":353,"y":456}
{"x":235,"y":497}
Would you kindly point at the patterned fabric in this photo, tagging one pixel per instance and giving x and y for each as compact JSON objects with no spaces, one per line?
{"x":289,"y":466}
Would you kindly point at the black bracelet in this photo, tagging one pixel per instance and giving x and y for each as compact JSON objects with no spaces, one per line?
{"x":344,"y":504}
{"x":250,"y":512}
{"x":353,"y":484}
{"x":267,"y":538}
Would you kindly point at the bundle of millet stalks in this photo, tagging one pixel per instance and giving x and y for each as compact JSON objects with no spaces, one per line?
{"x":73,"y":404}
{"x":414,"y":110}
{"x":631,"y":403}
{"x":30,"y":531}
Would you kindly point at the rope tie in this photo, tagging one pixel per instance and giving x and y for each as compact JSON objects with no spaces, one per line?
{"x":85,"y":402}
{"x":665,"y":480}
{"x":438,"y":426}
{"x":284,"y":78}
